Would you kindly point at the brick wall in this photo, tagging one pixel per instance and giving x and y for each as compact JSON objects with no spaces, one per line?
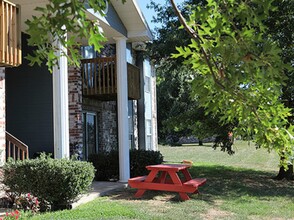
{"x":2,"y":115}
{"x":75,"y":111}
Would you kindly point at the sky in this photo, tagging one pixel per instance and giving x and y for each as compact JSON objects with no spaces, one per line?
{"x":148,"y":13}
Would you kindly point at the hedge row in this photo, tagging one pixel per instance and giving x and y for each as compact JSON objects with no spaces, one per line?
{"x":107,"y":163}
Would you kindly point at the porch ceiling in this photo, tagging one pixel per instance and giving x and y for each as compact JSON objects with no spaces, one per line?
{"x":133,"y":19}
{"x":129,"y":13}
{"x":27,"y":9}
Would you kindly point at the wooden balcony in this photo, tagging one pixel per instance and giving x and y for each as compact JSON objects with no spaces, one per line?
{"x":100,"y":79}
{"x":10,"y":35}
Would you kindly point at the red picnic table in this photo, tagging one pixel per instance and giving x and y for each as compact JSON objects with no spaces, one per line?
{"x":164,"y":177}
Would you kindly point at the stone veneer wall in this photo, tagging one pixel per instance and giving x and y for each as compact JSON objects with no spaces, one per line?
{"x":107,"y":126}
{"x":75,"y":100}
{"x":106,"y":122}
{"x":2,"y":116}
{"x":135,"y":123}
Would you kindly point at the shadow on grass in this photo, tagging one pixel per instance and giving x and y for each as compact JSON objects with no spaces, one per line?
{"x":231,"y":182}
{"x":225,"y":183}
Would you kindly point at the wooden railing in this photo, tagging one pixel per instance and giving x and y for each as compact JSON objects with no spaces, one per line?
{"x":10,"y":34}
{"x":100,"y":79}
{"x":15,"y":148}
{"x":99,"y":76}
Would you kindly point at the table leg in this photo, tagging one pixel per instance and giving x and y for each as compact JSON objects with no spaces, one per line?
{"x":175,"y":178}
{"x":184,"y":196}
{"x":187,"y":175}
{"x":177,"y":181}
{"x":196,"y":192}
{"x":149,"y":179}
{"x":162,"y":177}
{"x":140,"y":193}
{"x":151,"y":176}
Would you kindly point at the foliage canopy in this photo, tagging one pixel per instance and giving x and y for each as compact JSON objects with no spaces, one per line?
{"x":240,"y":70}
{"x":179,"y":114}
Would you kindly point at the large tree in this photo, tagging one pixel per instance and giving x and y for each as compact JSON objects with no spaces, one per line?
{"x":281,"y":25}
{"x":240,"y":70}
{"x":179,"y":114}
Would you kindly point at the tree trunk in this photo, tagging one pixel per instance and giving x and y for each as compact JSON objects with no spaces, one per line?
{"x":285,"y":174}
{"x":200,"y":143}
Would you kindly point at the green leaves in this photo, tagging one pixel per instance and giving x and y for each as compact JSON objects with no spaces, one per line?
{"x":240,"y":69}
{"x":67,"y":22}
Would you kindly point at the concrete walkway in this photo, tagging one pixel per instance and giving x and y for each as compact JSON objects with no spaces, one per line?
{"x":97,"y":189}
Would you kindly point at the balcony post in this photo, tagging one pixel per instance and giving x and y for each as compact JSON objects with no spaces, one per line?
{"x":60,"y":105}
{"x":122,"y":110}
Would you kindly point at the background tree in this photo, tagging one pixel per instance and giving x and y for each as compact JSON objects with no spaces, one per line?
{"x":173,"y":98}
{"x":281,"y":26}
{"x":179,"y":114}
{"x":240,"y":71}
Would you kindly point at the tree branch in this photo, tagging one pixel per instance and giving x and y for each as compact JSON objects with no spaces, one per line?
{"x":195,"y":36}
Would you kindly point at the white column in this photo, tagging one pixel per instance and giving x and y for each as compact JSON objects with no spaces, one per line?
{"x":122,"y":109}
{"x":60,"y":105}
{"x":2,"y":117}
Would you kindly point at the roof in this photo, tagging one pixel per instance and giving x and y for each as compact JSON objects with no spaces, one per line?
{"x":133,"y":19}
{"x":129,"y":23}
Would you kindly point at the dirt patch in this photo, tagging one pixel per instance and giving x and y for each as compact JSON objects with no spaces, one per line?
{"x":153,"y":199}
{"x":216,"y":214}
{"x":149,"y":196}
{"x":157,"y":202}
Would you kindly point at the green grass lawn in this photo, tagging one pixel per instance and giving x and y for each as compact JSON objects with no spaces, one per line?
{"x":238,"y":187}
{"x":246,"y":156}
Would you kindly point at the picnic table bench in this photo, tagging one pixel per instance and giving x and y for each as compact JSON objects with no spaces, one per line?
{"x":164,"y":177}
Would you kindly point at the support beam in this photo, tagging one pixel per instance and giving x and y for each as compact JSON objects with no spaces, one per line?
{"x":122,"y":110}
{"x":141,"y":103}
{"x":60,"y":105}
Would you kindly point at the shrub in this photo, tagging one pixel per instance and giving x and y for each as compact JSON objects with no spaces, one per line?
{"x":58,"y":181}
{"x":107,"y":163}
{"x":139,"y":159}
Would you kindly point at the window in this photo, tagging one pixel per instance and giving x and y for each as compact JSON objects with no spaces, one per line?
{"x":90,"y":145}
{"x":147,"y":84}
{"x":148,"y":135}
{"x":88,"y":52}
